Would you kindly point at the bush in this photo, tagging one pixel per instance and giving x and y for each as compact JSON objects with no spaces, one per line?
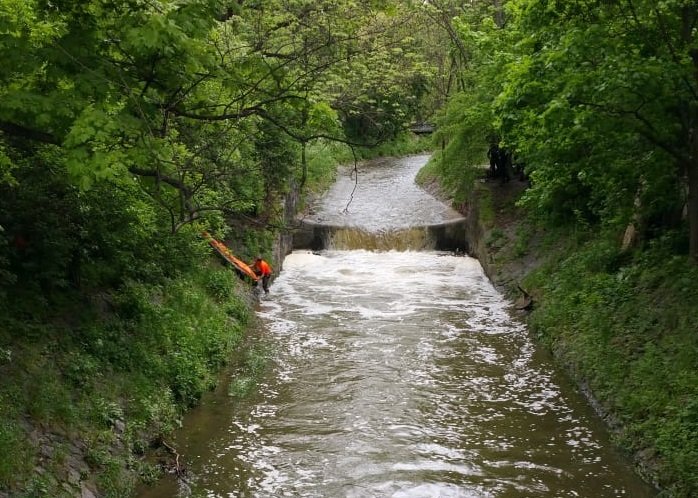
{"x":138,"y":355}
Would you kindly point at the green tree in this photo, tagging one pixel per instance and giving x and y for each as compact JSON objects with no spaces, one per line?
{"x":467,"y":124}
{"x":603,"y":103}
{"x":204,"y":107}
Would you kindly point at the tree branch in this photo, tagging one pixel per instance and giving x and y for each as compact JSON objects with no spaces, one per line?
{"x":647,"y":130}
{"x":16,"y":130}
{"x":173,"y":182}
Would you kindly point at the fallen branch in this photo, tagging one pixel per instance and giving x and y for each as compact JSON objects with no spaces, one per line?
{"x":179,"y":469}
{"x":525,"y":302}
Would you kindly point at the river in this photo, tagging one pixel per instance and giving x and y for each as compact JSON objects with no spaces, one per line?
{"x":396,"y":374}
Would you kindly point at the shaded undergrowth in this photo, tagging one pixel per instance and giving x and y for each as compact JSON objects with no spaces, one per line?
{"x":89,"y":384}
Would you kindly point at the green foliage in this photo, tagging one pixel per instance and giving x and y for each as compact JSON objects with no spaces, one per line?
{"x":404,"y":143}
{"x":593,"y":102}
{"x":192,"y":331}
{"x":597,"y":102}
{"x":152,"y":353}
{"x":219,"y":284}
{"x":466,"y":125}
{"x":125,"y":130}
{"x":523,"y":240}
{"x":49,"y":400}
{"x":597,"y":99}
{"x":459,"y":167}
{"x":496,"y":238}
{"x":114,"y":480}
{"x":155,"y":409}
{"x":159,"y":97}
{"x":323,"y":159}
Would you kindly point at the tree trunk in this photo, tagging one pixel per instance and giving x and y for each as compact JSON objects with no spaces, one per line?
{"x":692,"y":203}
{"x":689,"y":19}
{"x":692,"y":165}
{"x":304,"y":165}
{"x":631,"y":234}
{"x":499,"y":19}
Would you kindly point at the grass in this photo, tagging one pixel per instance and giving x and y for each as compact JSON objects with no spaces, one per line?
{"x":17,"y":458}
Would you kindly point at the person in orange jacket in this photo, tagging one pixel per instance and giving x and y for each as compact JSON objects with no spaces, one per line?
{"x":263,"y":270}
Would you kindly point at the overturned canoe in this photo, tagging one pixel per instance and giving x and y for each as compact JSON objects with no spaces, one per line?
{"x":223,"y":250}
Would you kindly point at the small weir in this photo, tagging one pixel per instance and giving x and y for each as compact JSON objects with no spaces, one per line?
{"x":397,"y":371}
{"x":414,"y":239}
{"x":443,"y":236}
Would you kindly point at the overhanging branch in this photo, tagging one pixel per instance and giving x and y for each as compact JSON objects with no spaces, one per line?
{"x":16,"y":130}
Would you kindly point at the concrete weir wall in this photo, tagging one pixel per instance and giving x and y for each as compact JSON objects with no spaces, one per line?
{"x":447,"y":236}
{"x":451,"y":236}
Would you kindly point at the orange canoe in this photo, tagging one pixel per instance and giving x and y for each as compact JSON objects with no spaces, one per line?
{"x":223,"y":250}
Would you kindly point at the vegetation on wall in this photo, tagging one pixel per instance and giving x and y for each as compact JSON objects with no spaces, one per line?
{"x":624,"y":324}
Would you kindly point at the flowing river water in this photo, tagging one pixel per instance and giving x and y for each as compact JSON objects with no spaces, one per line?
{"x":396,"y":374}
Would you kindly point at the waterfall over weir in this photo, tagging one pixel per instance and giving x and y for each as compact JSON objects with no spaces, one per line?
{"x":380,"y":208}
{"x":410,"y":239}
{"x":441,"y":237}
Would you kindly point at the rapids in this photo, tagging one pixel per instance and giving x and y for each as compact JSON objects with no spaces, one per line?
{"x":396,"y":374}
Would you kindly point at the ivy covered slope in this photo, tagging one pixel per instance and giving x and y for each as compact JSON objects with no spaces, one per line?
{"x":598,"y":101}
{"x":126,"y":129}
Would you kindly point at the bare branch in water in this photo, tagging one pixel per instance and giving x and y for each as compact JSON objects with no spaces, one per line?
{"x":354,"y":172}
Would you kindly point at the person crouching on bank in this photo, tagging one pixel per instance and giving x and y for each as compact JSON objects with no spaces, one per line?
{"x":263,"y":270}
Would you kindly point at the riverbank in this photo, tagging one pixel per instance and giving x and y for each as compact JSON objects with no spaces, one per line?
{"x":89,"y":387}
{"x":621,"y":323}
{"x":93,"y":383}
